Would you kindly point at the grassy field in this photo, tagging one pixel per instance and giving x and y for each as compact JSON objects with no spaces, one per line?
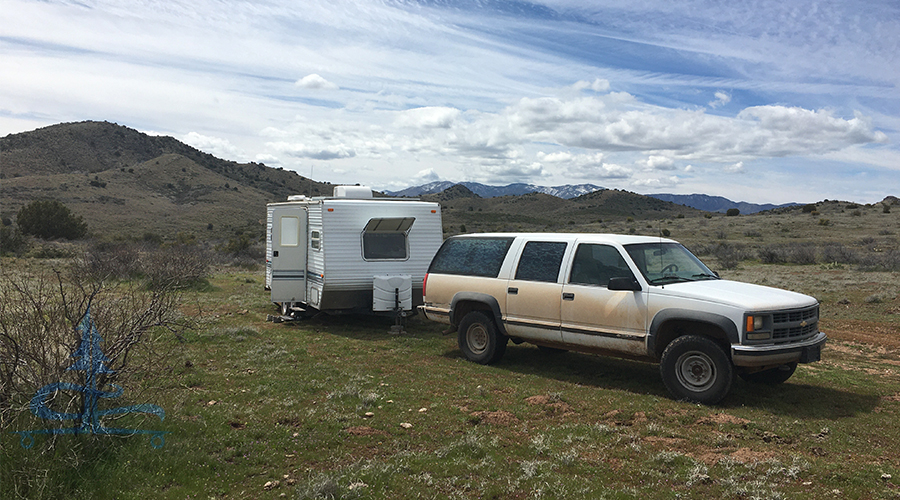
{"x":338,"y":407}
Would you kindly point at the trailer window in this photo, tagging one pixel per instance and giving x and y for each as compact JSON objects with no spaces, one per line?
{"x":290,"y":231}
{"x":386,"y":238}
{"x":315,"y":238}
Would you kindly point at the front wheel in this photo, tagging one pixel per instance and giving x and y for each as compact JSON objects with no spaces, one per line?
{"x":772,"y":376}
{"x":695,"y":368}
{"x":479,"y":339}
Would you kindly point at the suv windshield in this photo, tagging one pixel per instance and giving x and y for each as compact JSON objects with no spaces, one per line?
{"x":663,"y":263}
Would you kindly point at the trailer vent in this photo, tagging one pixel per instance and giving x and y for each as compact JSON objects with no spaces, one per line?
{"x":355,"y":192}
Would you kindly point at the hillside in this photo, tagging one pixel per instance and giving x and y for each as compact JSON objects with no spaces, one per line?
{"x":465,"y":211}
{"x":717,"y":203}
{"x":126,"y":183}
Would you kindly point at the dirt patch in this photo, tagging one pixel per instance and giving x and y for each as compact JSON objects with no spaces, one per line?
{"x":552,"y":404}
{"x":742,"y":455}
{"x":722,"y":418}
{"x":362,"y":430}
{"x":500,"y":417}
{"x":866,"y":332}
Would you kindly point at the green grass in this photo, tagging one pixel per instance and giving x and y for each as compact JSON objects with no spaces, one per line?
{"x":338,"y":407}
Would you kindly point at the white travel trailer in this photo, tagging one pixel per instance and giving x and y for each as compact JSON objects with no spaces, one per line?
{"x":349,"y":252}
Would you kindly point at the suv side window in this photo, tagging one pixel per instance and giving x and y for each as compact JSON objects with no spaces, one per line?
{"x":595,"y":264}
{"x":540,"y":261}
{"x":471,"y":256}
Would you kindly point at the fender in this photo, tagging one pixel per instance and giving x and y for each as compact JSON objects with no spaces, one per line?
{"x":481,"y":298}
{"x":717,"y":320}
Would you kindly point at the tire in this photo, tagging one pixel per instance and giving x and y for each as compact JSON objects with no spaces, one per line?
{"x":479,"y":339}
{"x":696,"y":369}
{"x":772,"y":376}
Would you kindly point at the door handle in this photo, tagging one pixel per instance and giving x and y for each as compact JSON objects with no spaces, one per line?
{"x":512,"y":291}
{"x":568,"y":296}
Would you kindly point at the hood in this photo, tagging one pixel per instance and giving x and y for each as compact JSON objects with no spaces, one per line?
{"x":743,"y":295}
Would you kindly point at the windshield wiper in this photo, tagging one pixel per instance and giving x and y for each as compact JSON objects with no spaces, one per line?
{"x":705,"y":276}
{"x":668,"y":279}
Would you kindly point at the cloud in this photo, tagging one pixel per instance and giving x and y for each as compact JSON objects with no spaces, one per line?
{"x":315,"y":82}
{"x":656,"y":162}
{"x":598,"y":85}
{"x":722,"y":98}
{"x":736,"y":168}
{"x":427,"y":117}
{"x":214,"y":145}
{"x":656,"y":183}
{"x":330,"y":152}
{"x":426,"y":176}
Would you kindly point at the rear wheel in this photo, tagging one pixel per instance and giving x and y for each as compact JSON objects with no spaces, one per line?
{"x":772,"y":376}
{"x":479,"y":339}
{"x":695,"y":368}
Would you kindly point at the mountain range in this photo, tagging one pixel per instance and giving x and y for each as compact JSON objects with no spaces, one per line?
{"x":699,"y":201}
{"x":567,"y":192}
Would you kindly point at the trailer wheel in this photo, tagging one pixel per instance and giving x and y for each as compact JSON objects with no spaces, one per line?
{"x":694,"y":368}
{"x":479,"y":339}
{"x":772,"y":376}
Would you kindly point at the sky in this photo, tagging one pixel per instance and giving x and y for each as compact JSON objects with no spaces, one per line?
{"x":759,"y":101}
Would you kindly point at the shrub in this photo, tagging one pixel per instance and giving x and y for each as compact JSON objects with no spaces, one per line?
{"x":881,"y":261}
{"x":729,"y":255}
{"x":50,"y":219}
{"x":732,"y":212}
{"x":836,"y":252}
{"x":801,"y":253}
{"x":809,"y":208}
{"x":772,"y":254}
{"x":38,"y":318}
{"x":12,"y":241}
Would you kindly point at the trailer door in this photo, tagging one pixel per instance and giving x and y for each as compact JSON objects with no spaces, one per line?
{"x":289,"y":230}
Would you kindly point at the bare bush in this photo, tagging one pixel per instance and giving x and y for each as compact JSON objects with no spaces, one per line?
{"x":836,"y":252}
{"x":801,"y":253}
{"x":729,"y":255}
{"x":42,"y":307}
{"x":772,"y":254}
{"x":888,"y":260}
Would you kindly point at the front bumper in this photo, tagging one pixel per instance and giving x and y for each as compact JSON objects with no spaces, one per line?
{"x":805,"y":351}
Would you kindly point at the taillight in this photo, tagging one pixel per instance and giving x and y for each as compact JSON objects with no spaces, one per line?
{"x":424,"y":281}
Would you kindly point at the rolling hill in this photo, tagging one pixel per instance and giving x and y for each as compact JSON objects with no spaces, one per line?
{"x":126,"y":183}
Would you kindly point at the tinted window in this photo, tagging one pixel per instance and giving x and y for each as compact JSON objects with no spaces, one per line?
{"x":540,"y":261}
{"x":386,"y":238}
{"x":596,"y":264}
{"x":384,"y":246}
{"x":471,"y":256}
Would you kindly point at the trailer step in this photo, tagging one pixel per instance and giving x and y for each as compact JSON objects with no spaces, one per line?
{"x":279,"y":319}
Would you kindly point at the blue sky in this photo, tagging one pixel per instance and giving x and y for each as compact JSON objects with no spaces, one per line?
{"x":759,"y":101}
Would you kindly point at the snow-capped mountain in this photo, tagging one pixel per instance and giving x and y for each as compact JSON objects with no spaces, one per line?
{"x":485,"y":191}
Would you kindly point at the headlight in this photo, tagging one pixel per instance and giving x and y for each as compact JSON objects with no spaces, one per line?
{"x":757,"y":329}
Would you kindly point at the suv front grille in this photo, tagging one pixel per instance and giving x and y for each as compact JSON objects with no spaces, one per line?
{"x":796,"y":324}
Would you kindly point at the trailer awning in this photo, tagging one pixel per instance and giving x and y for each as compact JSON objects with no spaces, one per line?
{"x":390,"y":225}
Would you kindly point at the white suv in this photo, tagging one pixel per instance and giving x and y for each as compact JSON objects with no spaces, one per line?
{"x":629,"y":296}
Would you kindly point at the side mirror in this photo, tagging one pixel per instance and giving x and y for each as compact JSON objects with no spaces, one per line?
{"x":625,"y":284}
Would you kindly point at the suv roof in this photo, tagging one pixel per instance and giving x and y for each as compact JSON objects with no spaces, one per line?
{"x":622,"y":239}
